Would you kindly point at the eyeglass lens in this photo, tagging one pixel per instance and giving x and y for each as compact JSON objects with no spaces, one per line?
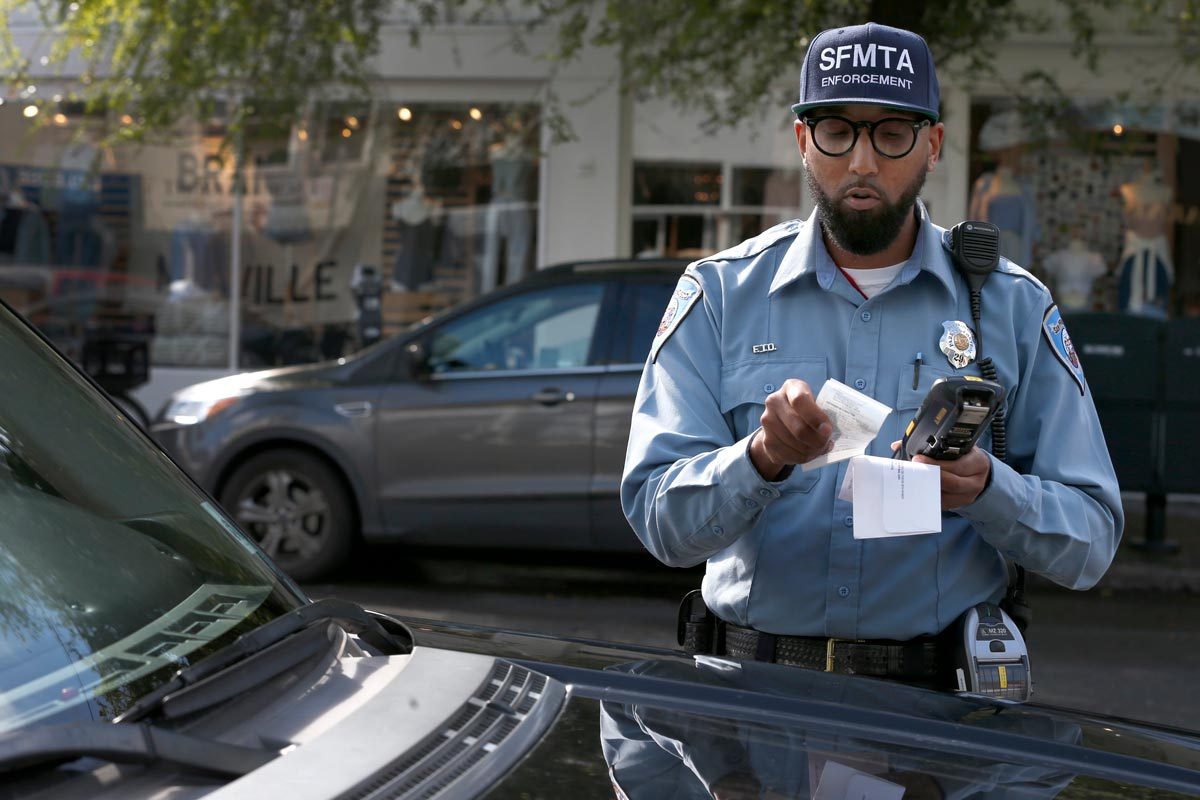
{"x":893,"y":138}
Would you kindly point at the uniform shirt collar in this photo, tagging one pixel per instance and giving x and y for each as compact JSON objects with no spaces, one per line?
{"x":807,"y":254}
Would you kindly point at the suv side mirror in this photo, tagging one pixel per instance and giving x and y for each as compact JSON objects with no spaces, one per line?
{"x":416,"y":359}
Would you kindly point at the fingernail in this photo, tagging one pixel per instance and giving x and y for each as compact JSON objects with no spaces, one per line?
{"x":826,"y":429}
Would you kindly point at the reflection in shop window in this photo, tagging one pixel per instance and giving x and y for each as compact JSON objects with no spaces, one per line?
{"x":441,"y":198}
{"x":1096,"y":207}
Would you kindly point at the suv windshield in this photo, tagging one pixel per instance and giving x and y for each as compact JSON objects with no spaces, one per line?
{"x":115,"y":570}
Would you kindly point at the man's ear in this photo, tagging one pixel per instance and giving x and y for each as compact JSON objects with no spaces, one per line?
{"x":802,"y":139}
{"x":937,"y":133}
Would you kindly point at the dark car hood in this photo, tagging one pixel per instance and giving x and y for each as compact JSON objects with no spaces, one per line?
{"x":680,"y":710}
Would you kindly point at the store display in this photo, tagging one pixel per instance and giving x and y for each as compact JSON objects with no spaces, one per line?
{"x":1004,"y":196}
{"x":1072,"y":271}
{"x":510,"y":223}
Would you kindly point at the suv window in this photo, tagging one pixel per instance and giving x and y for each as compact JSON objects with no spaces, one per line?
{"x":550,"y":328}
{"x":644,"y":304}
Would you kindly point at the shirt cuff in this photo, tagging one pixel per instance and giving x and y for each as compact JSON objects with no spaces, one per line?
{"x":1001,"y":503}
{"x":744,"y":486}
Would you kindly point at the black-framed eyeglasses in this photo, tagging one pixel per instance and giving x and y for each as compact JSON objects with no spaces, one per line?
{"x":892,"y":137}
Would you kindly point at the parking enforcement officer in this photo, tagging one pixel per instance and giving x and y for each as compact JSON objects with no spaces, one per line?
{"x":865,"y":293}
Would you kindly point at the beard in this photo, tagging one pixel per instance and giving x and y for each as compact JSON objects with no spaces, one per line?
{"x":864,"y":233}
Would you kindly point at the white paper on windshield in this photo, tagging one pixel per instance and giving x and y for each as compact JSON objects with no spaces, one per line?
{"x":839,"y":782}
{"x":893,"y":497}
{"x":856,"y":420}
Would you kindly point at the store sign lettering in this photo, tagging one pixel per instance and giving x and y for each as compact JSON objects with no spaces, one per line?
{"x":203,"y":174}
{"x":196,"y":175}
{"x":261,"y":284}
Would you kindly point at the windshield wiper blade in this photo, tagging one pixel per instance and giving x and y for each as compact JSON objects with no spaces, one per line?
{"x":385,"y":635}
{"x":139,"y":744}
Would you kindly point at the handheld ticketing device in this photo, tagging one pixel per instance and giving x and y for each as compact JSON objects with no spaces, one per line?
{"x":952,"y":417}
{"x":994,"y":661}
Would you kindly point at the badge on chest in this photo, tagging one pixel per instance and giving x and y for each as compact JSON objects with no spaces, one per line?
{"x":957,"y":343}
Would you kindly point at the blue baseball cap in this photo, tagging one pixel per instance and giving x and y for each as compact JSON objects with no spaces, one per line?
{"x":869,"y":64}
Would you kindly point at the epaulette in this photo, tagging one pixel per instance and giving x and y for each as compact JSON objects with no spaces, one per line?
{"x":1009,"y":268}
{"x":755,"y":245}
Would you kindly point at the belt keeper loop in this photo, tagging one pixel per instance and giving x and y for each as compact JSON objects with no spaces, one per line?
{"x":764,"y":648}
{"x":829,"y":655}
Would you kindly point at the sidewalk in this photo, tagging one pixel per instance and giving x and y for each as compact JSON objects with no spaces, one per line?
{"x":1134,"y":569}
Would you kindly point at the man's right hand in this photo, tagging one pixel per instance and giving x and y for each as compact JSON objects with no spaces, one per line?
{"x":794,"y":430}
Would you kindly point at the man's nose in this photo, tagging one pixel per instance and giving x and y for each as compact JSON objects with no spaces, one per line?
{"x":863,"y":159}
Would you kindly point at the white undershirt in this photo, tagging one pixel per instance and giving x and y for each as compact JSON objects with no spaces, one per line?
{"x":871,"y":281}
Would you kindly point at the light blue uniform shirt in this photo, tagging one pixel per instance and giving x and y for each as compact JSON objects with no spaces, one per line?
{"x":781,"y":556}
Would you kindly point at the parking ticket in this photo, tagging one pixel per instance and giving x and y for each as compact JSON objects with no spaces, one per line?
{"x":856,"y":420}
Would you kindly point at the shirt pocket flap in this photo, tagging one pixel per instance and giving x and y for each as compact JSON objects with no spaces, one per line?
{"x":751,"y":383}
{"x":909,"y":398}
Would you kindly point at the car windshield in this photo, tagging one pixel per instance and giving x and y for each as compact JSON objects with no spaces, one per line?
{"x":115,"y":570}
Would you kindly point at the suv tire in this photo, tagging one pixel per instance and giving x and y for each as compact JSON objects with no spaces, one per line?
{"x":296,"y":507}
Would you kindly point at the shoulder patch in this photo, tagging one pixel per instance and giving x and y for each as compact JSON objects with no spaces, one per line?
{"x":1061,"y":345}
{"x":686,"y":293}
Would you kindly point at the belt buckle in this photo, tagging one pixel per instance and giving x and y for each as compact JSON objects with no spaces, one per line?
{"x":829,"y":644}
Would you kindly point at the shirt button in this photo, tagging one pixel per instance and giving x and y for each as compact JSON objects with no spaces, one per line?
{"x":860,"y":384}
{"x":751,"y":503}
{"x":866,"y":316}
{"x":849,"y":522}
{"x":766,"y":493}
{"x":843,"y":591}
{"x":768,"y":388}
{"x":718,"y":530}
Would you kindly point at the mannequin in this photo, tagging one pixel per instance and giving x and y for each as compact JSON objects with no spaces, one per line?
{"x":1003,"y":197}
{"x":1073,"y":269}
{"x":416,"y":217}
{"x":509,"y":225}
{"x":1146,"y":272}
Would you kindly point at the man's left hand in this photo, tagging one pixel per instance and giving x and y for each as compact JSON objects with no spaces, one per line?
{"x":963,"y":479}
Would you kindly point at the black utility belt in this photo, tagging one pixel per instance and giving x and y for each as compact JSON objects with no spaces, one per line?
{"x":922,"y":658}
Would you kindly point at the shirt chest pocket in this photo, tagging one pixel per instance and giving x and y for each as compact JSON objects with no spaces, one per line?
{"x":744,"y":390}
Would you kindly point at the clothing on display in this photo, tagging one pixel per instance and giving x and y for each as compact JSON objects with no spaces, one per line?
{"x":81,"y":239}
{"x":198,"y":258}
{"x":1073,"y":270}
{"x":287,"y":218}
{"x":24,"y":234}
{"x":509,"y":225}
{"x":1145,"y":276}
{"x":1147,"y":205}
{"x":1009,"y":204}
{"x":416,"y":220}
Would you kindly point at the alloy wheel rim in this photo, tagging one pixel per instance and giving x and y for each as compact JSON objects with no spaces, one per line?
{"x":285,"y":513}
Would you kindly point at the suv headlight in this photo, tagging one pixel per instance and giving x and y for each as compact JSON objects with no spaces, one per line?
{"x":186,"y":409}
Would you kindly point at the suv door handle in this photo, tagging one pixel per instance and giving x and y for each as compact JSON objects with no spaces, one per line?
{"x":552,"y":397}
{"x":355,"y":409}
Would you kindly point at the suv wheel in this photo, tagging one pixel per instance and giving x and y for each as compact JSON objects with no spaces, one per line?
{"x":296,"y":508}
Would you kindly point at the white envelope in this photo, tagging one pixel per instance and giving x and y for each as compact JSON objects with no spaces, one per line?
{"x":839,"y":782}
{"x":893,"y":497}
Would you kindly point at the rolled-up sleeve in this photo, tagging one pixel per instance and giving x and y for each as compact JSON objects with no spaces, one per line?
{"x":689,"y":488}
{"x":1055,"y":507}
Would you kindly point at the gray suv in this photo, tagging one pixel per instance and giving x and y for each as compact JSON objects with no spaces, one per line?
{"x":501,"y":423}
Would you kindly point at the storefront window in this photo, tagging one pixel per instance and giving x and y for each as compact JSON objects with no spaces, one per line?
{"x":438,"y":199}
{"x":1097,"y":208}
{"x":684,"y":209}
